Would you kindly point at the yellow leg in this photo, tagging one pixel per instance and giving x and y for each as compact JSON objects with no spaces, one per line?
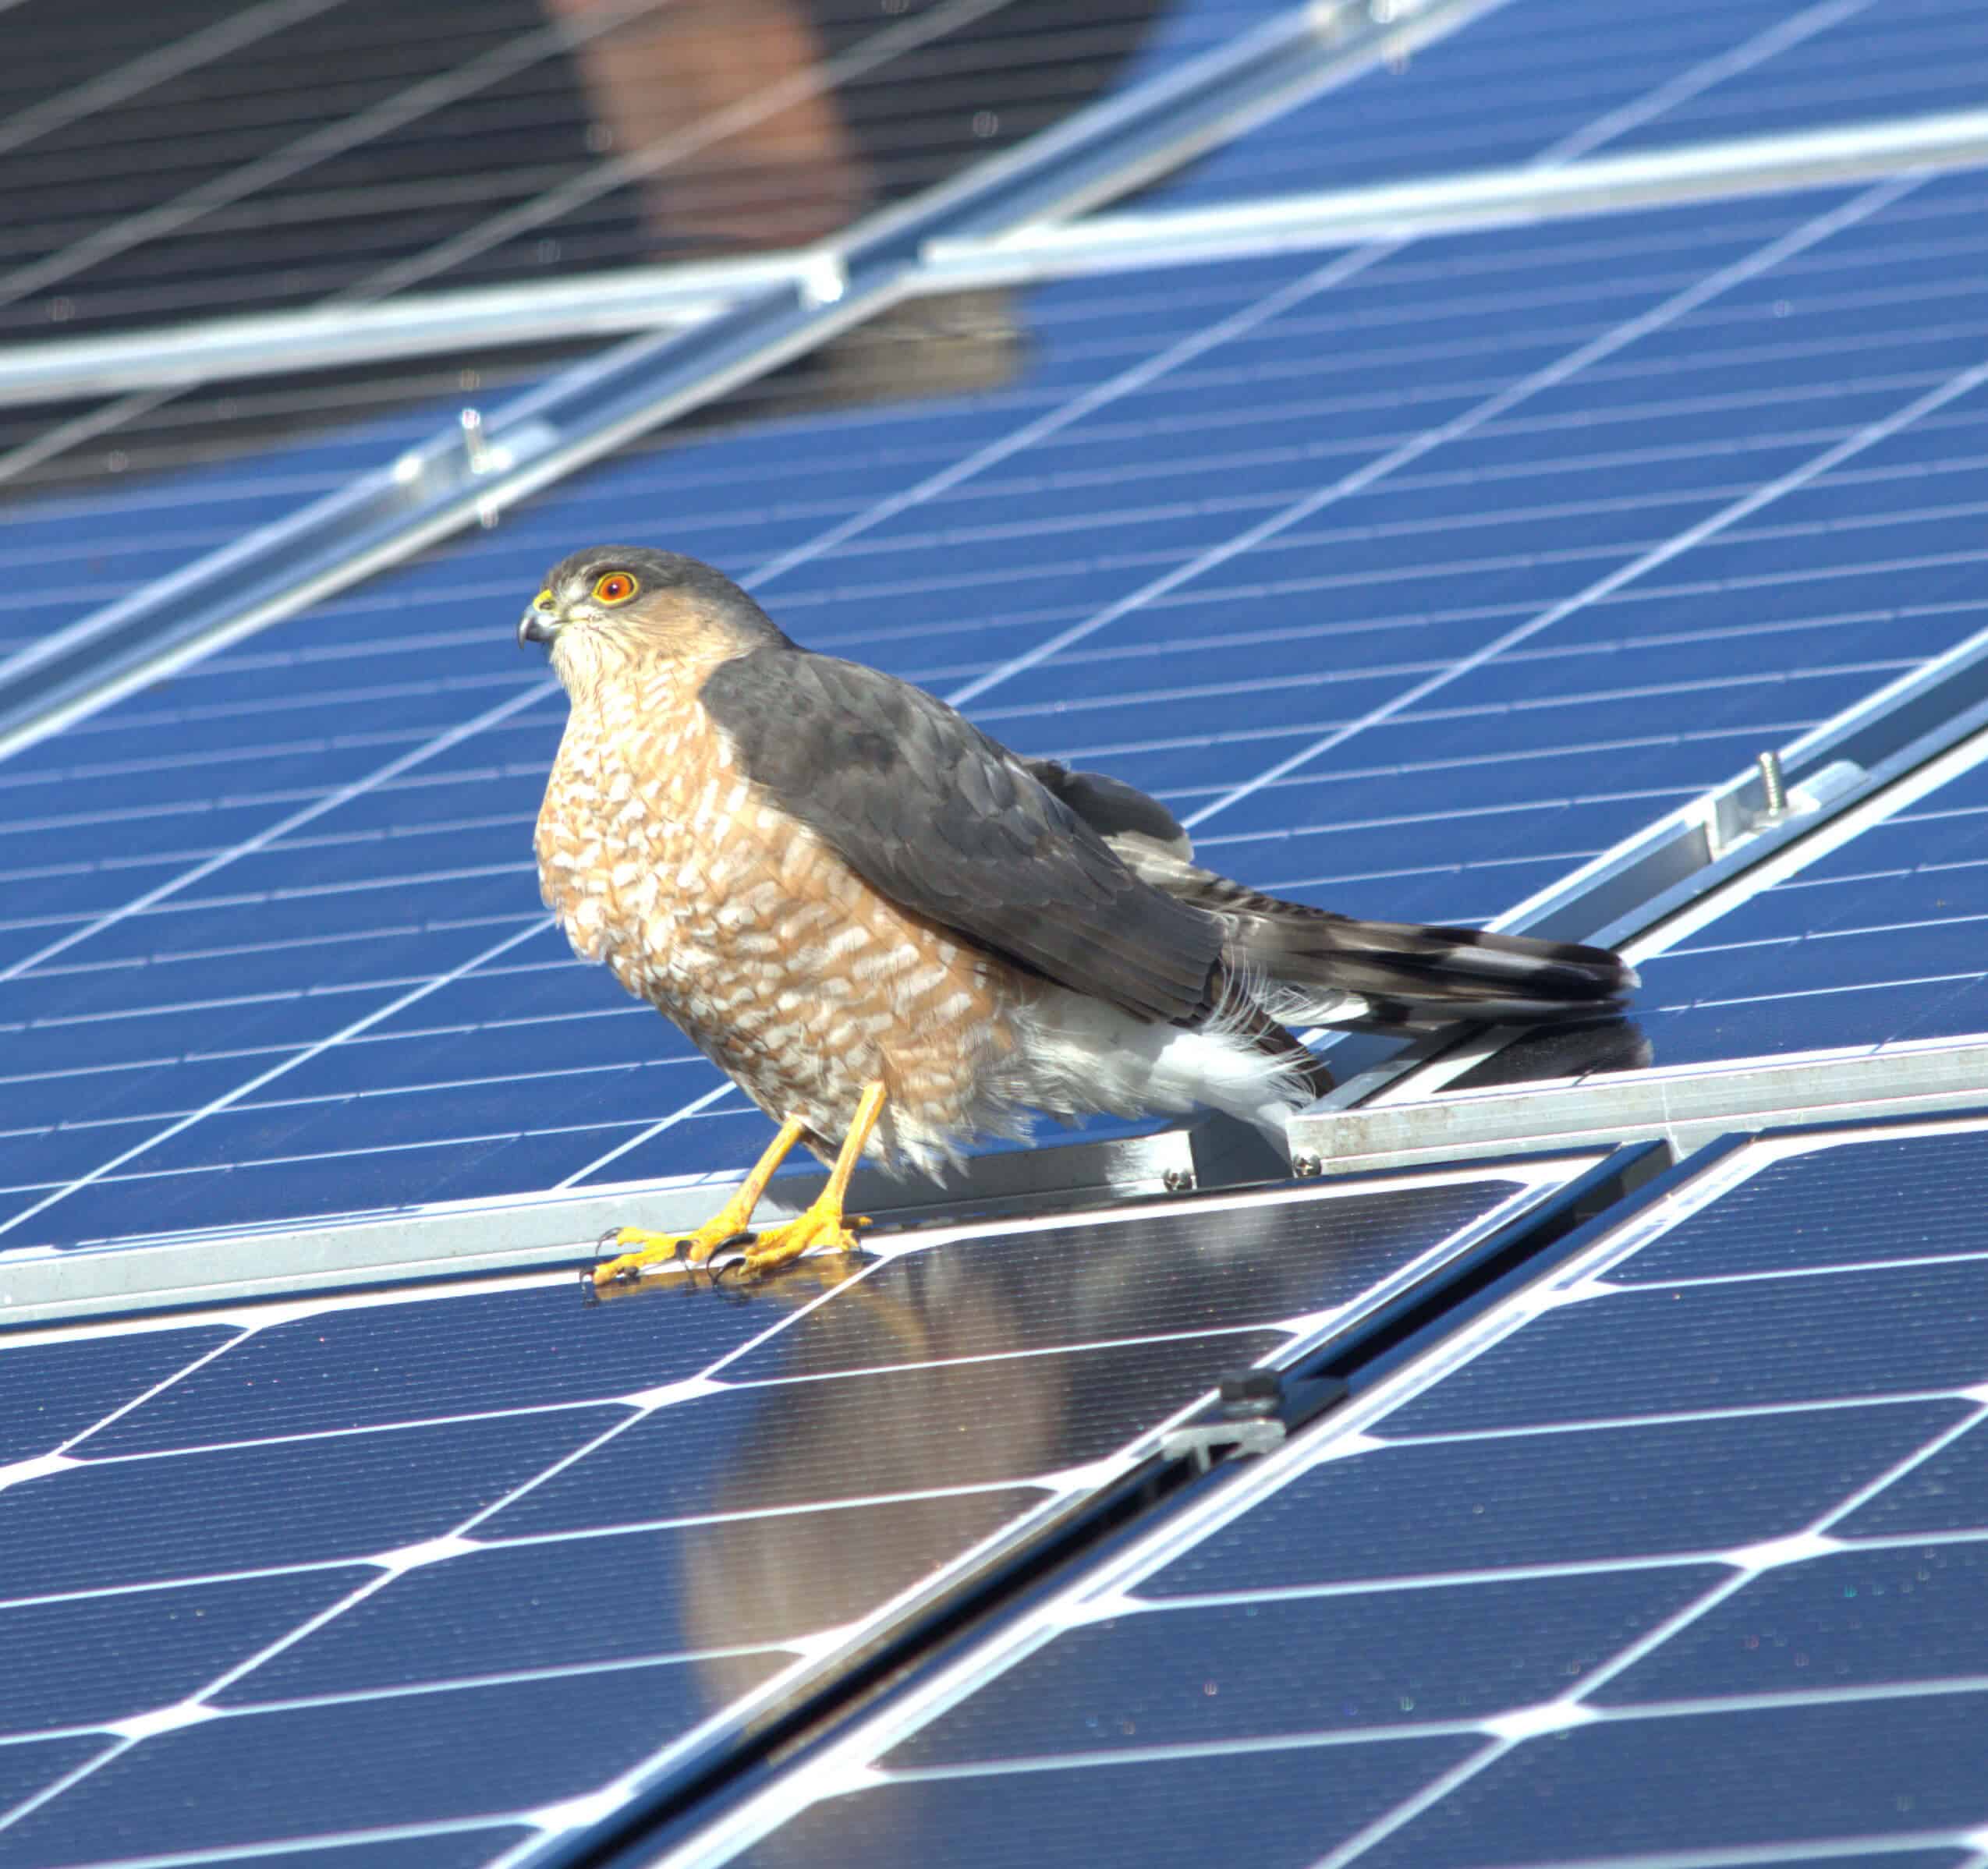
{"x":823,"y":1223}
{"x":728,"y":1223}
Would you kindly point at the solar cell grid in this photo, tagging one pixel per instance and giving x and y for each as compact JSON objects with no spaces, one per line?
{"x":1659,"y":489}
{"x":1877,"y":943}
{"x":307,"y":858}
{"x":485,"y":1518}
{"x":1489,"y":94}
{"x":88,"y":516}
{"x":1685,"y":1573}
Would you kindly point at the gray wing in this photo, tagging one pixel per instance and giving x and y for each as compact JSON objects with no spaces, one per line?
{"x":947,"y":822}
{"x":1134,"y":825}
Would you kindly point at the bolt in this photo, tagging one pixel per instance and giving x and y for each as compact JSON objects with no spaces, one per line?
{"x":1773,"y":785}
{"x":1178,"y":1181}
{"x":1306,"y":1167}
{"x":476,"y":443}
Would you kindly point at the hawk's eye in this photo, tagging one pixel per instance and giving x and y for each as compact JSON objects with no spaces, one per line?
{"x":617,"y":587}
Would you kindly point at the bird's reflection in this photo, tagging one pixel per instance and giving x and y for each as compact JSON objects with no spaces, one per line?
{"x":813,"y":1570}
{"x":987,"y":1363}
{"x":896,"y":1411}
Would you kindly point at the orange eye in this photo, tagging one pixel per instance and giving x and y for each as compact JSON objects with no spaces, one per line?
{"x":617,"y":587}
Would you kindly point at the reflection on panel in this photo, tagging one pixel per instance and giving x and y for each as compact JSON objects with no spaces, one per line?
{"x":1675,"y":1556}
{"x":348,"y":152}
{"x":492,"y":1547}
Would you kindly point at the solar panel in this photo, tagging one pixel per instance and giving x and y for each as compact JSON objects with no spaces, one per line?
{"x":87,"y":518}
{"x":1875,"y":944}
{"x":1672,"y":1555}
{"x":1410,"y":606}
{"x":1413,"y":575}
{"x":1518,"y":77}
{"x":563,"y":1540}
{"x":348,"y":152}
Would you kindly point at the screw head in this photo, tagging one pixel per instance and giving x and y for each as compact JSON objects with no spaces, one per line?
{"x":1178,"y":1181}
{"x":1306,"y":1166}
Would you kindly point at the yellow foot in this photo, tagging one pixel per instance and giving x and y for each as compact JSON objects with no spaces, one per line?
{"x":824,"y":1225}
{"x":729,"y":1226}
{"x":636,"y":1247}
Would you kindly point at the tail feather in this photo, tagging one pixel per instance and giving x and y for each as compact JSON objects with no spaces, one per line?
{"x":1305,"y":966}
{"x":1321,"y":968}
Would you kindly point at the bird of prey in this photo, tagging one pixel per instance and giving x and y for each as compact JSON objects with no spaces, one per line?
{"x":896,"y":935}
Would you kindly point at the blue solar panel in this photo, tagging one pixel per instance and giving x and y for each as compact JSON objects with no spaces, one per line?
{"x":1674,"y":1556}
{"x":71,"y":552}
{"x":1878,"y":942}
{"x":1539,"y":75}
{"x":556,"y":1537}
{"x":1412,"y":589}
{"x":47,"y":1398}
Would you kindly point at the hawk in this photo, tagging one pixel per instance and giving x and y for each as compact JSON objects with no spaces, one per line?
{"x":896,"y":935}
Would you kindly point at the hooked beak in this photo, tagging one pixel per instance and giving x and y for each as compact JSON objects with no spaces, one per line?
{"x":540,"y":623}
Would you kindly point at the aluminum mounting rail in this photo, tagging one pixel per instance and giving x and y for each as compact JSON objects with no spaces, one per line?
{"x":596,"y":304}
{"x":464,"y":475}
{"x":44,"y":1285}
{"x":670,"y":298}
{"x":1793,"y":807}
{"x":1460,"y":204}
{"x":1685,"y":1107}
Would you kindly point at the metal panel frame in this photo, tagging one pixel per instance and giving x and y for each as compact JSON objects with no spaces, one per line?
{"x":1685,"y":1108}
{"x":1523,"y":195}
{"x":40,"y":1285}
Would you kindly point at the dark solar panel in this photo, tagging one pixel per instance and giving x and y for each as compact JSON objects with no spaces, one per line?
{"x":1544,"y":73}
{"x":490,"y":1549}
{"x":1411,"y":589}
{"x":1674,"y":1557}
{"x":350,"y":149}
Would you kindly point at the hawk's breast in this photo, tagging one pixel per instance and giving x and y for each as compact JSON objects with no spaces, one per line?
{"x":661,"y":860}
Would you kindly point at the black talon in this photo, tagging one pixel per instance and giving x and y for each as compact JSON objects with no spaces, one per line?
{"x":731,"y":1291}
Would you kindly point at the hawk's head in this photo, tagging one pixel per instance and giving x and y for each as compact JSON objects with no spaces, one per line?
{"x":612,"y":605}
